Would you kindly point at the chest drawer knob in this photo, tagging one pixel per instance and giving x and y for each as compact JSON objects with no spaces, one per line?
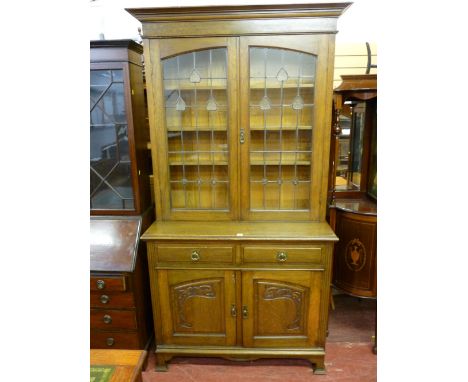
{"x":281,"y":256}
{"x":104,"y":299}
{"x":100,"y":284}
{"x":110,"y":341}
{"x":195,"y":256}
{"x":107,"y":319}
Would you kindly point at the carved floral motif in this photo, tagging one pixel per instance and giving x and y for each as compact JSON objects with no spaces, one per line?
{"x":275,"y":292}
{"x":190,"y":291}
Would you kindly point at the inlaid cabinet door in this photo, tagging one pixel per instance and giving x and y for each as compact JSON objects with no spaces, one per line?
{"x":281,"y":308}
{"x":192,"y":94}
{"x":355,"y":259}
{"x":284,"y":113}
{"x":198,"y":307}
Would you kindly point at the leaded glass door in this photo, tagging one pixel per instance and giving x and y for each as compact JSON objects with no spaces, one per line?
{"x":111,"y":180}
{"x":282,"y":119}
{"x":197,"y":128}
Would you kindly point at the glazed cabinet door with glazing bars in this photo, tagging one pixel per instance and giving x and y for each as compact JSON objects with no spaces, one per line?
{"x":195,"y":99}
{"x":281,"y":308}
{"x":111,"y":182}
{"x":283,"y":119}
{"x":197,"y":307}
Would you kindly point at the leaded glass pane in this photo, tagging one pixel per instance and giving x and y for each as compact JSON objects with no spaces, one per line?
{"x":110,"y":172}
{"x":196,"y":103}
{"x":282,"y":84}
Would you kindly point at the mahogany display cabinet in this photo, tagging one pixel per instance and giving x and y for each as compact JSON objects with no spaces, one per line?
{"x":120,"y":197}
{"x":353,"y":180}
{"x":120,"y":164}
{"x":239,"y":102}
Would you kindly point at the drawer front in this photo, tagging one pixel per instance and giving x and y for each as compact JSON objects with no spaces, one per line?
{"x":113,"y":319}
{"x":112,"y":300}
{"x":195,"y":254}
{"x":106,"y":283}
{"x":114,"y":340}
{"x":282,"y":255}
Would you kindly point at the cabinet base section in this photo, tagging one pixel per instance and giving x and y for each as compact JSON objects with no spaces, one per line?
{"x":164,"y":353}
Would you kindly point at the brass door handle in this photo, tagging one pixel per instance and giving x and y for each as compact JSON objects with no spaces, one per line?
{"x":281,"y":256}
{"x":233,"y":310}
{"x":245,"y":312}
{"x":107,"y":319}
{"x":195,"y":256}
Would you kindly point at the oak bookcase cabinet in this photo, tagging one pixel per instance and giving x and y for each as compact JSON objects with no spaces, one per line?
{"x":239,"y":101}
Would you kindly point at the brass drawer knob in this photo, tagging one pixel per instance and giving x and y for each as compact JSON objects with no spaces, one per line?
{"x":195,"y":256}
{"x":281,"y":256}
{"x":104,"y":299}
{"x":100,"y":284}
{"x":110,"y":341}
{"x":107,"y":319}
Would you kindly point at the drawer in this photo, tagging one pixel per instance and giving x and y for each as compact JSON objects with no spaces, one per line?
{"x":112,"y":300}
{"x":113,"y":319}
{"x":109,"y":283}
{"x":195,"y":254}
{"x":282,"y":254}
{"x":114,"y":340}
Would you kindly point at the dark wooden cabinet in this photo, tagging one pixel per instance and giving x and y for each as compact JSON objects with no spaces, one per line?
{"x":355,"y":260}
{"x":120,"y":198}
{"x":353,"y":186}
{"x":239,"y":104}
{"x":119,"y":292}
{"x":120,"y":163}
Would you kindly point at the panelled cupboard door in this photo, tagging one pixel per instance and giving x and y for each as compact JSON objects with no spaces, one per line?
{"x":192,"y":98}
{"x":281,"y":308}
{"x":197,"y":307}
{"x":284,"y":103}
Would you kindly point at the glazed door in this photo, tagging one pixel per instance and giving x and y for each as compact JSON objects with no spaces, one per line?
{"x":111,"y":146}
{"x":192,"y":98}
{"x":281,"y":308}
{"x":198,"y":307}
{"x":284,"y":104}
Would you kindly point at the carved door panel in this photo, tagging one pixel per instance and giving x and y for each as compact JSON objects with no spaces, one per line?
{"x":196,"y":307}
{"x":281,"y":308}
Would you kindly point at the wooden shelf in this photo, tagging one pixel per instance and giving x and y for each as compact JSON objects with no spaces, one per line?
{"x":196,"y":128}
{"x":282,"y":163}
{"x":196,"y":163}
{"x":283,"y":128}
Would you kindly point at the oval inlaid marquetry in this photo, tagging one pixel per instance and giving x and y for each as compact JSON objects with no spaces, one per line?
{"x":355,"y":256}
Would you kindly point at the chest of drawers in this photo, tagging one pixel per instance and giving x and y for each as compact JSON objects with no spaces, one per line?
{"x":120,"y":314}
